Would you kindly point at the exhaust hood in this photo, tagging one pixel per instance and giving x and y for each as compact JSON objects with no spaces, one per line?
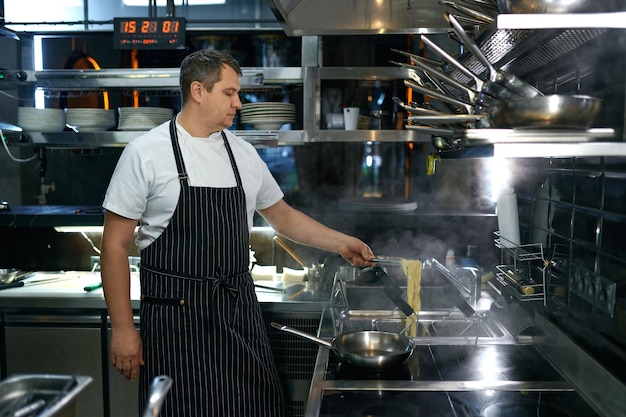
{"x":359,"y":17}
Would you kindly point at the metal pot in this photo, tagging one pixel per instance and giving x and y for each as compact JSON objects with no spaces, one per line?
{"x":8,"y":275}
{"x":552,"y":111}
{"x":367,"y":349}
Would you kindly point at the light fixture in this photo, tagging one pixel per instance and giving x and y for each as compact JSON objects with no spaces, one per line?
{"x":79,"y":229}
{"x":176,"y":2}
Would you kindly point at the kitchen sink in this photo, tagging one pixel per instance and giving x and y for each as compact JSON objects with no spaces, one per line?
{"x":432,"y":325}
{"x":373,"y":298}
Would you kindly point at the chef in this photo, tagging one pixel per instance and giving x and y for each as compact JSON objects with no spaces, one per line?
{"x":192,"y":188}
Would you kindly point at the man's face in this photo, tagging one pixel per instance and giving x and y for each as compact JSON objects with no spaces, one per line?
{"x":220,"y":105}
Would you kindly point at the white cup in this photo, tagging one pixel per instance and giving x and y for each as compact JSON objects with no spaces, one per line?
{"x":334,"y":121}
{"x":350,"y":117}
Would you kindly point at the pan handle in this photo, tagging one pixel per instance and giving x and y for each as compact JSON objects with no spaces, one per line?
{"x":494,"y":75}
{"x":451,"y":60}
{"x":158,"y":389}
{"x":304,"y":335}
{"x":419,"y":65}
{"x":427,"y":91}
{"x":291,"y":253}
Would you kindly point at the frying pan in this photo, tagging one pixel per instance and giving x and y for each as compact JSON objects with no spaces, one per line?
{"x":551,"y":111}
{"x":366,"y":349}
{"x":500,"y":77}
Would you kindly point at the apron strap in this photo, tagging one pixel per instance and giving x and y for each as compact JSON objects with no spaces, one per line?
{"x":178,"y":155}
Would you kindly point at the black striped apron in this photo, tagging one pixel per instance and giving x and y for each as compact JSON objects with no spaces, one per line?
{"x":200,"y":319}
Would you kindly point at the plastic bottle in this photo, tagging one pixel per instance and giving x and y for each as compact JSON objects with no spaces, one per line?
{"x":508,"y":220}
{"x":468,"y":258}
{"x":450,"y":259}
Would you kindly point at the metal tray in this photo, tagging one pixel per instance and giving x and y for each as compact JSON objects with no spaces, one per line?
{"x":46,"y":395}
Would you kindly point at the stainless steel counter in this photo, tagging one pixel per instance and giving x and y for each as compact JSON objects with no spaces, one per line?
{"x":65,"y":290}
{"x":55,"y":326}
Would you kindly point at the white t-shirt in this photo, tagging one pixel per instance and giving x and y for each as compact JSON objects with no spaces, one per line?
{"x":145,"y":183}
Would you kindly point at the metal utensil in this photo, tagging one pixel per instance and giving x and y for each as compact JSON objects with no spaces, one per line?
{"x":498,"y":76}
{"x":476,"y":97}
{"x":291,"y":253}
{"x":369,"y":349}
{"x":468,"y":107}
{"x":7,"y":275}
{"x":158,"y":389}
{"x":8,"y":127}
{"x":267,"y":287}
{"x":435,"y":131}
{"x":486,"y":86}
{"x":448,"y":118}
{"x":417,"y":109}
{"x":468,"y":11}
{"x":25,"y":282}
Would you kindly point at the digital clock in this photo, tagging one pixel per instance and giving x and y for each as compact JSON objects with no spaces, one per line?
{"x":149,"y":33}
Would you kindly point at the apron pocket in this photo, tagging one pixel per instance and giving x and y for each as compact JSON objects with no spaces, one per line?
{"x":165,"y":301}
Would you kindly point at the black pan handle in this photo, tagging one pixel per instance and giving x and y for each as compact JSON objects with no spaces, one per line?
{"x":12,"y":285}
{"x":393,"y":291}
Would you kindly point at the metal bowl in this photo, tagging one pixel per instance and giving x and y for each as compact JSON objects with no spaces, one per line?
{"x":553,"y":6}
{"x":7,"y":275}
{"x":552,"y":111}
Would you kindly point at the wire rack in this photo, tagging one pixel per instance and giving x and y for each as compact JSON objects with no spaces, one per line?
{"x":528,"y":271}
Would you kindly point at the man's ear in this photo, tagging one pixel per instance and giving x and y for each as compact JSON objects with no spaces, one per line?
{"x":197,"y":89}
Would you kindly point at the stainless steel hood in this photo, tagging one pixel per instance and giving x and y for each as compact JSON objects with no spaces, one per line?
{"x":359,"y":17}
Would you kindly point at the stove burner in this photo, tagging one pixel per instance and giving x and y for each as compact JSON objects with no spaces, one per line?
{"x":523,"y":408}
{"x":488,"y":359}
{"x":345,"y":371}
{"x":390,"y":404}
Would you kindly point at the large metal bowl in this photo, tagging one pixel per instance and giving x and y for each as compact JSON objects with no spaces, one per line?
{"x":552,"y":111}
{"x":554,"y":6}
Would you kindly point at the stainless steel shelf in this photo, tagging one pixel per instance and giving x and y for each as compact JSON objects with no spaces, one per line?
{"x":259,"y":138}
{"x":154,"y":78}
{"x":615,"y":20}
{"x":369,"y":136}
{"x":558,"y":150}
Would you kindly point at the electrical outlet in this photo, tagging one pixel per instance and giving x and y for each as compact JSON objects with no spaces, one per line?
{"x":605,"y":295}
{"x":596,"y":290}
{"x":582,"y":283}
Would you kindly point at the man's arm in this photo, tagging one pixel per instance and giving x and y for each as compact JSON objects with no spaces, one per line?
{"x":302,"y":229}
{"x":126,"y":349}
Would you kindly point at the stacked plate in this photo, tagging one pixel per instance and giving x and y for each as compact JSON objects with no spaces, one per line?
{"x":143,"y":118}
{"x":31,"y":119}
{"x":268,"y":115}
{"x":90,"y":120}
